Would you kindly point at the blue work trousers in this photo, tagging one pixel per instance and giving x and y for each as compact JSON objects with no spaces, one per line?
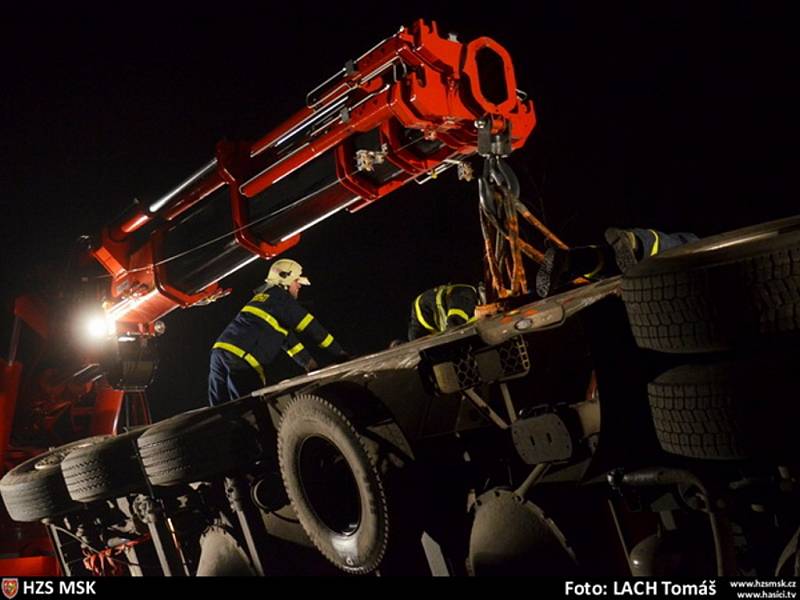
{"x":230,"y":377}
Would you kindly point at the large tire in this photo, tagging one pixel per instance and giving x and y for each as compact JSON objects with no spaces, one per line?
{"x":731,"y":410}
{"x":334,"y":481}
{"x":195,"y":447}
{"x":35,"y":489}
{"x":718,"y":293}
{"x":110,"y":469}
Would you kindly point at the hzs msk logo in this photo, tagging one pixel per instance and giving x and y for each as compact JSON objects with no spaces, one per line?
{"x":10,"y":587}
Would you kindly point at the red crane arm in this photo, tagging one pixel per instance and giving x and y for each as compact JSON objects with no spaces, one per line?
{"x":408,"y":107}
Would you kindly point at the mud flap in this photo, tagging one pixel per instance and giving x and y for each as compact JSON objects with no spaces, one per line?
{"x":221,"y":555}
{"x":512,"y":536}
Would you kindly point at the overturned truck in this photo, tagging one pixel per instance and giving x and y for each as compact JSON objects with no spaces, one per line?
{"x":641,"y":424}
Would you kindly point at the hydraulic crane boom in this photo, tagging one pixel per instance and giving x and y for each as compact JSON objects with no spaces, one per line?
{"x":413,"y":105}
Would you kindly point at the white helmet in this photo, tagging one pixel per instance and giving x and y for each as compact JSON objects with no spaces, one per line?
{"x":285,"y":272}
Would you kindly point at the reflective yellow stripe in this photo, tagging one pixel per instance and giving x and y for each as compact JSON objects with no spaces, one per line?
{"x":598,"y":268}
{"x":654,"y":249}
{"x":442,"y":320}
{"x":326,"y":342}
{"x":420,"y":318}
{"x":458,"y":313}
{"x":295,"y":349}
{"x":304,"y":323}
{"x":267,"y":317}
{"x":244,"y":355}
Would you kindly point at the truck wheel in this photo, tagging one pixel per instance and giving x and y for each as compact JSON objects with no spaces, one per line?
{"x":730,"y":410}
{"x":333,"y":479}
{"x":35,"y":489}
{"x":109,"y":469}
{"x":195,"y":446}
{"x":719,"y":292}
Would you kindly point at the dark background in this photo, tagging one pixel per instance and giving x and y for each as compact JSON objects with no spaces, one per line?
{"x":675,"y":121}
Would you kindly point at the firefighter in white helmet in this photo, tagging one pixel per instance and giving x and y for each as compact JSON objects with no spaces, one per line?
{"x":270,"y":322}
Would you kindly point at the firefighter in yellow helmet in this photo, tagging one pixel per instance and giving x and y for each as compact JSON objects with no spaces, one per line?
{"x":270,"y":322}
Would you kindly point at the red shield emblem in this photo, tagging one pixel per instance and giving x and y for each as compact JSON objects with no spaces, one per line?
{"x":10,"y":587}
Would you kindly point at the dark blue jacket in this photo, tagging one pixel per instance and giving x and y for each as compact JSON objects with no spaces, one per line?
{"x":271,"y":322}
{"x":440,"y":308}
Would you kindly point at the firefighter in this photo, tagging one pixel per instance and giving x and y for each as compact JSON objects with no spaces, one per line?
{"x":440,"y":308}
{"x":623,"y":249}
{"x":268,"y":323}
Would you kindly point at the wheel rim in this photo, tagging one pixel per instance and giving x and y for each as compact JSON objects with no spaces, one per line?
{"x":329,"y":485}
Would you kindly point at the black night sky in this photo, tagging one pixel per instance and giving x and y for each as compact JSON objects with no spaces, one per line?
{"x":671,"y":121}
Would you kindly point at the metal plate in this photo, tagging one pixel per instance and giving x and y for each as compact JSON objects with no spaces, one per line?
{"x":541,"y":439}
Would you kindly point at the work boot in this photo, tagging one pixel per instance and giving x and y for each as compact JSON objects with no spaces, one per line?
{"x":560,"y":266}
{"x":552,"y":271}
{"x":627,"y":249}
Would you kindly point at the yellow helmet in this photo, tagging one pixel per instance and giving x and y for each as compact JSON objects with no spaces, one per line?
{"x":285,"y":272}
